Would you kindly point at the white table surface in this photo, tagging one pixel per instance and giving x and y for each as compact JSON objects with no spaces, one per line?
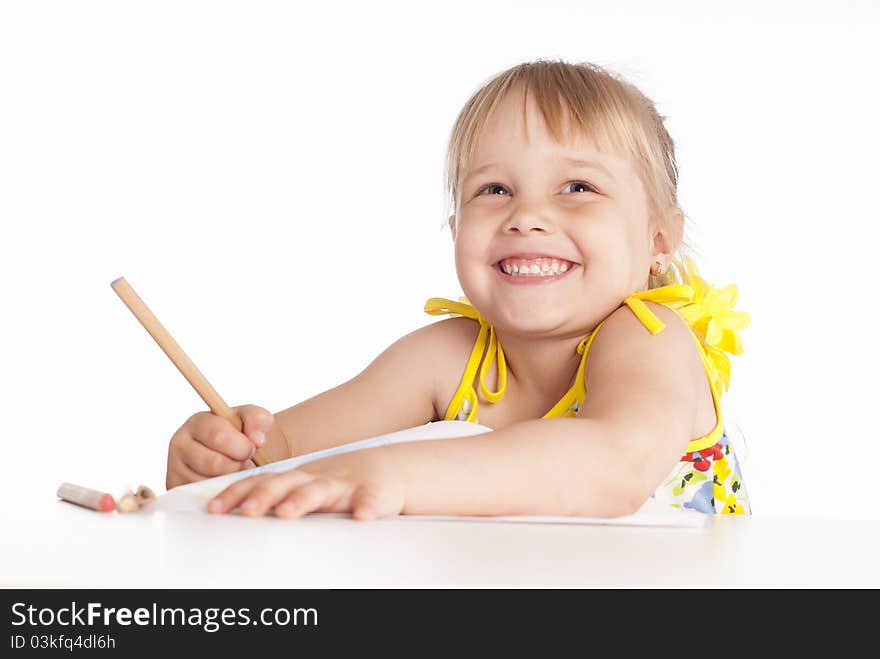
{"x":62,"y":545}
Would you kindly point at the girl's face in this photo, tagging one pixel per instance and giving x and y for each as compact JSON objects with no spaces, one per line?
{"x":543,"y":244}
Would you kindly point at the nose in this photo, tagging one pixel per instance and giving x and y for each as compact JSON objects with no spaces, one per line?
{"x":528,"y":218}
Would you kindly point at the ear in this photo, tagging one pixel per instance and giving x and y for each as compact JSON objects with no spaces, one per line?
{"x":669,"y":233}
{"x":451,"y":221}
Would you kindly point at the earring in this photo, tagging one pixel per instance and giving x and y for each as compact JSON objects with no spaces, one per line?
{"x":657,"y":268}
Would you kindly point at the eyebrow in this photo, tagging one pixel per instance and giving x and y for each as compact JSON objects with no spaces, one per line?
{"x":589,"y":164}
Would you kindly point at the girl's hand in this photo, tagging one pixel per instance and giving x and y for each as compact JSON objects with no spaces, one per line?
{"x":208,"y":445}
{"x":359,"y":482}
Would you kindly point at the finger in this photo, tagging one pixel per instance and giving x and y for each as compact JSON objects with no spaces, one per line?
{"x":319,"y":494}
{"x":366,"y":504}
{"x":256,"y":494}
{"x":271,"y":491}
{"x":219,"y":435}
{"x":232,"y":495}
{"x":256,"y":422}
{"x":179,"y":473}
{"x":208,"y":462}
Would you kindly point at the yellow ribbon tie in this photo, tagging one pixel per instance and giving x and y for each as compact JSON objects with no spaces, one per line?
{"x":709,"y":312}
{"x":437,"y":306}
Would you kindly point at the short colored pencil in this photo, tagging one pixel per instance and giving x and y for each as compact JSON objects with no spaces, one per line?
{"x":88,"y":498}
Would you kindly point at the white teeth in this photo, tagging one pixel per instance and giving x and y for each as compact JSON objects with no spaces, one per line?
{"x":543,"y":268}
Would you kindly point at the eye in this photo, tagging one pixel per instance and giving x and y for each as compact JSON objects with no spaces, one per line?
{"x":589,"y":188}
{"x":491,"y":186}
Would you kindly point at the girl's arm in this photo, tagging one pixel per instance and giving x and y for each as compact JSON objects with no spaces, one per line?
{"x":636,"y":421}
{"x":396,"y":391}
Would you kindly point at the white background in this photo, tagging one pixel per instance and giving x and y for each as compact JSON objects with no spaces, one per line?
{"x":268,"y":177}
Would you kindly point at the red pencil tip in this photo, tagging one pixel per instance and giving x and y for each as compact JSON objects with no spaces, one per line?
{"x":106,"y":503}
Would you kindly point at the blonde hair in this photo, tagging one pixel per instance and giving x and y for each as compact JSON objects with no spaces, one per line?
{"x":598,"y":105}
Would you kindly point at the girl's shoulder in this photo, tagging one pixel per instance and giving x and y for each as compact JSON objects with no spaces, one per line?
{"x":449,"y":334}
{"x":623,"y":331}
{"x":442,"y":348}
{"x":627,"y":356}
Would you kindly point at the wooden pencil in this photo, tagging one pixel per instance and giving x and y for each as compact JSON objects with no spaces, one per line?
{"x":179,"y":358}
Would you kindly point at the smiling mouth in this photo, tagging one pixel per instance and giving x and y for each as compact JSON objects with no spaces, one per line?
{"x":535,"y":268}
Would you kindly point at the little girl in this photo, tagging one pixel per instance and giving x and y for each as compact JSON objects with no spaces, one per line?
{"x":607,"y":390}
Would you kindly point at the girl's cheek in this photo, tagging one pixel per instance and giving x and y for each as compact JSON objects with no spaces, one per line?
{"x":472,"y":238}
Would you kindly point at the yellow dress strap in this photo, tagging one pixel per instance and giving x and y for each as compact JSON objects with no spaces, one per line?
{"x":570,"y":403}
{"x":465,"y":397}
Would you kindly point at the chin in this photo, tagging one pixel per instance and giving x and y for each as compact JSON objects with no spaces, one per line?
{"x":532,"y":319}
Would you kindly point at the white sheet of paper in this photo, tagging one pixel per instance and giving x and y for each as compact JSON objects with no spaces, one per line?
{"x":193,"y":498}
